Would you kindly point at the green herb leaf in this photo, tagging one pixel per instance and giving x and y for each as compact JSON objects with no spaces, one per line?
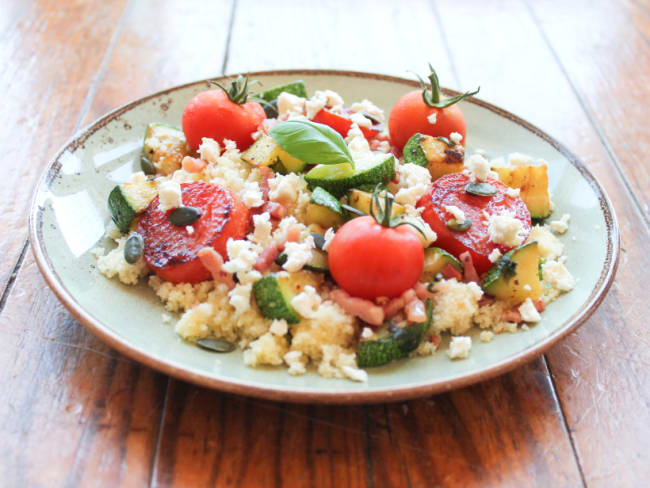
{"x":311,"y":142}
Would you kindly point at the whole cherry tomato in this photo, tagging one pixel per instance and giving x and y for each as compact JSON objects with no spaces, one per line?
{"x":223,"y":114}
{"x":370,"y":257}
{"x":414,"y":112}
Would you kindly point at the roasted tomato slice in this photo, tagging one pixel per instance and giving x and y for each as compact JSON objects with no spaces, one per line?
{"x":171,"y":251}
{"x":450,"y":190}
{"x":341,"y":123}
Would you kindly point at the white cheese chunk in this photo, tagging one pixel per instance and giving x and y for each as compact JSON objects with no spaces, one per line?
{"x":370,"y":108}
{"x":414,"y":182}
{"x":513,"y":192}
{"x":354,"y":374}
{"x":479,"y":168}
{"x":357,"y":142}
{"x":528,"y":311}
{"x":189,"y":229}
{"x":169,"y":193}
{"x":459,"y":347}
{"x":290,"y":104}
{"x":315,"y":104}
{"x":556,"y":274}
{"x":562,"y":225}
{"x":504,"y":229}
{"x":432,"y":118}
{"x":360,"y":120}
{"x":495,"y":255}
{"x":455,"y":137}
{"x":329,"y":235}
{"x":298,"y":254}
{"x":486,"y":335}
{"x":458,"y":214}
{"x":306,"y":303}
{"x":367,"y":333}
{"x":279,"y":327}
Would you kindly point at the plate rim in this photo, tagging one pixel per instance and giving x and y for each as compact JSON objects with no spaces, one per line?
{"x":330,"y":396}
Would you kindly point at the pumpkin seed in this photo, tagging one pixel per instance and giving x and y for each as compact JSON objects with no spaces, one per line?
{"x":183,"y":216}
{"x":461,"y":226}
{"x":133,"y":248}
{"x":319,"y":240}
{"x":447,"y":141}
{"x":281,"y":259}
{"x":371,"y":118}
{"x":147,"y":166}
{"x":480,"y":189}
{"x":216,"y":345}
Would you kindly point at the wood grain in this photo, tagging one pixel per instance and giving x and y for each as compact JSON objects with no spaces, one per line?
{"x":45,"y":79}
{"x":74,"y":411}
{"x":601,"y":370}
{"x":609,"y":70}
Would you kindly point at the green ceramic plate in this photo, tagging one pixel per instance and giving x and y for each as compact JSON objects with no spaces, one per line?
{"x":69,"y":215}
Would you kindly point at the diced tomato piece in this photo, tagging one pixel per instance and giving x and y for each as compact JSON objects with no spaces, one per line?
{"x":341,"y":123}
{"x":171,"y":251}
{"x":450,"y":190}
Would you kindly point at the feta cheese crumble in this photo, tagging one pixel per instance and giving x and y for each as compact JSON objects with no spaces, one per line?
{"x":298,"y":254}
{"x":433,"y":118}
{"x":513,"y":192}
{"x":370,"y":108}
{"x":169,"y":193}
{"x":495,"y":255}
{"x":504,"y":229}
{"x":455,"y":137}
{"x":360,"y":120}
{"x":279,"y":327}
{"x":306,"y":303}
{"x":458,"y":214}
{"x":459,"y":347}
{"x":562,"y":225}
{"x":479,"y":168}
{"x":414,"y":182}
{"x":329,"y":235}
{"x":486,"y":335}
{"x":556,"y":274}
{"x":528,"y":311}
{"x":290,"y":104}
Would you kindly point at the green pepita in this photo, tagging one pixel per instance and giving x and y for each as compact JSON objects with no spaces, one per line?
{"x":183,"y":216}
{"x":461,"y":226}
{"x":446,"y":140}
{"x":216,"y":345}
{"x":481,"y":189}
{"x":319,"y":240}
{"x":147,"y":166}
{"x":133,"y":248}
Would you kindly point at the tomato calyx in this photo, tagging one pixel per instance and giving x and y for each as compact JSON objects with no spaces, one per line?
{"x":383,"y":214}
{"x":238,"y":90}
{"x":432,"y":96}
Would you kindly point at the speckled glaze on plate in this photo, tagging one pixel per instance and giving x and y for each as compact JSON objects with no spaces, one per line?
{"x":69,"y":215}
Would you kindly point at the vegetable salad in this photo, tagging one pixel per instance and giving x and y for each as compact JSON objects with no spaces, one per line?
{"x":301,"y":230}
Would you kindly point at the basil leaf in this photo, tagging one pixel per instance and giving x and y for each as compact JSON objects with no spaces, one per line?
{"x":310,"y":142}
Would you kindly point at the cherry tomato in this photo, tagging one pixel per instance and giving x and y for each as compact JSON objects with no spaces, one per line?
{"x":410,"y":115}
{"x":369,"y":260}
{"x":213,"y":114}
{"x":450,"y":190}
{"x":341,"y":123}
{"x":171,"y":252}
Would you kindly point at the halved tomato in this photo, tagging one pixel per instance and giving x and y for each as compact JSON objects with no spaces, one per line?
{"x":171,"y":251}
{"x":450,"y":190}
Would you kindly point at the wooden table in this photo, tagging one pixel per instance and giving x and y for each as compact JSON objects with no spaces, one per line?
{"x":74,"y":412}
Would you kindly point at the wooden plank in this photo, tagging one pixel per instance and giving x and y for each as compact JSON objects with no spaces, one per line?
{"x":214,"y":439}
{"x":503,"y":432}
{"x":99,"y":411}
{"x":367,"y":35}
{"x":48,"y":69}
{"x":74,"y":412}
{"x":609,"y":69}
{"x":601,"y":370}
{"x":163,"y":44}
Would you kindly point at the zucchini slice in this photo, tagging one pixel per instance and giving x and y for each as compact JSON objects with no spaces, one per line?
{"x":361,"y":201}
{"x":295,"y":88}
{"x":396,"y":344}
{"x":339,"y":178}
{"x":434,"y":154}
{"x":435,"y":260}
{"x":324,"y":209}
{"x":274,"y":293}
{"x":164,"y":147}
{"x":265,"y":152}
{"x":515,"y":276}
{"x":532,"y":182}
{"x":127,"y":200}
